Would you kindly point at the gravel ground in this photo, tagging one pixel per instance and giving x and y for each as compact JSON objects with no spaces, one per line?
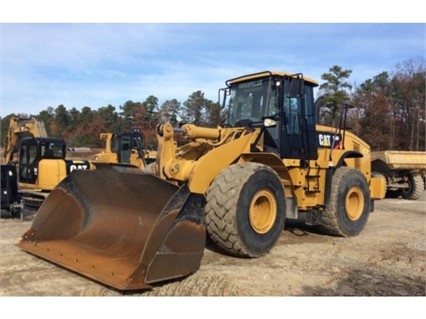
{"x":387,"y":259}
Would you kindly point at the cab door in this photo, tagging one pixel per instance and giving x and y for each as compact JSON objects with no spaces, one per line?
{"x":29,"y":158}
{"x":299,"y":136}
{"x":125,"y":149}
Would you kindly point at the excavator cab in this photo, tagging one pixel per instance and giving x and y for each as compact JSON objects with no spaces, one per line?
{"x":42,"y":162}
{"x":34,"y":150}
{"x":42,"y":166}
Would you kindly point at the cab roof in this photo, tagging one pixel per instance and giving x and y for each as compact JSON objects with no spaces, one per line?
{"x":267,"y":74}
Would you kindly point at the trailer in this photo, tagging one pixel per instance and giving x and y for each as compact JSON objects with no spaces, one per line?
{"x":404,"y":171}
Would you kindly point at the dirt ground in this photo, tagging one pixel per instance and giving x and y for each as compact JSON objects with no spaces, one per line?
{"x":387,"y":259}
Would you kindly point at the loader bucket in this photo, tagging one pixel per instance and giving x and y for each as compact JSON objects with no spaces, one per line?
{"x":119,"y":226}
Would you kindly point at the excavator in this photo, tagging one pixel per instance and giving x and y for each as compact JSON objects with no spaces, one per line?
{"x":125,"y":148}
{"x":238,"y":183}
{"x":41,"y":162}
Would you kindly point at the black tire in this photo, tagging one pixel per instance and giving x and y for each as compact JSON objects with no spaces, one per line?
{"x":416,"y":187}
{"x":233,"y":199}
{"x":347,"y":212}
{"x":15,"y":211}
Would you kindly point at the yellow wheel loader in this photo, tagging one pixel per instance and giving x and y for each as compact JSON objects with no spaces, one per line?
{"x":238,"y":182}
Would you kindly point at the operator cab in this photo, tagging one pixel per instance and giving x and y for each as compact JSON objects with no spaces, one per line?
{"x":33,"y":150}
{"x":122,"y":144}
{"x":286,"y":100}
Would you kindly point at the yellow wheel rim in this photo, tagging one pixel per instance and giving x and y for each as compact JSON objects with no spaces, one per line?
{"x":354,"y":203}
{"x":262,"y":211}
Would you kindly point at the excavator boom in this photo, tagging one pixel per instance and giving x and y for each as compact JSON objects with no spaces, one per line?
{"x":17,"y":126}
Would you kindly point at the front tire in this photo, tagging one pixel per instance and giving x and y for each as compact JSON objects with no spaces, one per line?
{"x":348,"y":209}
{"x":245,"y":210}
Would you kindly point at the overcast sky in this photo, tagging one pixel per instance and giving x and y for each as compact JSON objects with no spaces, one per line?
{"x":96,"y":64}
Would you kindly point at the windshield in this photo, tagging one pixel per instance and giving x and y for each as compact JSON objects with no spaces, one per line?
{"x":251,"y":100}
{"x":51,"y":149}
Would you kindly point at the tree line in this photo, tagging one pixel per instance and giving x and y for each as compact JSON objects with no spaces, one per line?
{"x":387,"y":111}
{"x":82,"y":128}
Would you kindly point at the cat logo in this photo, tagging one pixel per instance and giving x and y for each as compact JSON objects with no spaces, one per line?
{"x":73,"y":167}
{"x":326,"y":140}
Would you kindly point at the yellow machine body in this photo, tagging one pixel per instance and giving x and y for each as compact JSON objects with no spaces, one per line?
{"x":125,"y":148}
{"x":239,"y":182}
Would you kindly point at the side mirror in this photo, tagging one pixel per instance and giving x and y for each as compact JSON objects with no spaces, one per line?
{"x":296,"y":86}
{"x":225,"y":93}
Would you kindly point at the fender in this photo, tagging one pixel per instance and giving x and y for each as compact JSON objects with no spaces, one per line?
{"x":208,"y":166}
{"x":330,"y":172}
{"x":348,"y":154}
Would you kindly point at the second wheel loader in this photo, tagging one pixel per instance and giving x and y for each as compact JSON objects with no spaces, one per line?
{"x":239,"y":183}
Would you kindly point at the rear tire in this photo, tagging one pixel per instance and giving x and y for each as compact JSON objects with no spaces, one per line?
{"x":245,"y":210}
{"x":416,"y":189}
{"x":349,"y":207}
